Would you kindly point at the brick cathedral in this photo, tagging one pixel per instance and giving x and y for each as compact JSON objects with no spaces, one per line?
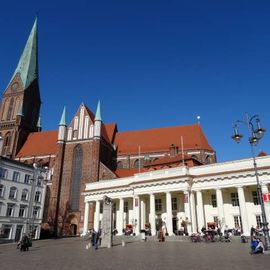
{"x":86,"y":149}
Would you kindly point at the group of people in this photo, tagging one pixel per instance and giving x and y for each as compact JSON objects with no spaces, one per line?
{"x":24,"y":243}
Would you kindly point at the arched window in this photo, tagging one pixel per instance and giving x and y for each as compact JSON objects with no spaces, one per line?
{"x":120,"y":165}
{"x":76,"y":177}
{"x":38,"y":196}
{"x":207,"y":160}
{"x":136,"y":163}
{"x":10,"y":108}
{"x":12,"y":193}
{"x":24,"y":195}
{"x":7,"y":139}
{"x":5,"y":110}
{"x":16,"y":108}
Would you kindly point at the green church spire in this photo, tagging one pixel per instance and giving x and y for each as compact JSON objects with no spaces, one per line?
{"x":98,"y":113}
{"x":28,"y":63}
{"x":63,"y":118}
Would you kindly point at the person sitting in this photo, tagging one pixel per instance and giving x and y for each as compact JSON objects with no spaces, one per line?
{"x":257,"y":246}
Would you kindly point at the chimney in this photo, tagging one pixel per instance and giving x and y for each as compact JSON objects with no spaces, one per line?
{"x":173,"y":149}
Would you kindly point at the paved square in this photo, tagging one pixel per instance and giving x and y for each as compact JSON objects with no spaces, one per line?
{"x":72,"y":254}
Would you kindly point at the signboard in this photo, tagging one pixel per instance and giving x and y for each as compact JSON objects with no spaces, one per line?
{"x":266,"y":197}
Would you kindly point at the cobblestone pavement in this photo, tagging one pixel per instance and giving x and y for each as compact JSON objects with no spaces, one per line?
{"x":70,"y":253}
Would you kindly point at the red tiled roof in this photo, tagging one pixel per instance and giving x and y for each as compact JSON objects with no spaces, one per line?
{"x":262,"y":154}
{"x":108,"y":132}
{"x":168,"y":160}
{"x":159,"y":139}
{"x":127,"y":172}
{"x":39,"y":144}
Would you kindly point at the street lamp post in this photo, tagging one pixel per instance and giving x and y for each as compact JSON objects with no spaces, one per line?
{"x":256,"y":133}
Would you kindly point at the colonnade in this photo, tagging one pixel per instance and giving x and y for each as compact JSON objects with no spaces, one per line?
{"x":193,"y":214}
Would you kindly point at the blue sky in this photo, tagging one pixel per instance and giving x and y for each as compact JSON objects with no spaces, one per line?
{"x":151,"y":63}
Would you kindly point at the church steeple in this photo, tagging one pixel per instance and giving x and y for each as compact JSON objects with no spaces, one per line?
{"x":21,"y":102}
{"x":27,"y":67}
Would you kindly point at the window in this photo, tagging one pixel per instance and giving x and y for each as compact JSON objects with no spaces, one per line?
{"x":136,"y":164}
{"x":101,"y":208}
{"x":24,"y":195}
{"x":234,"y":198}
{"x":255,"y":198}
{"x":1,"y":206}
{"x":76,"y":177}
{"x":36,"y":211}
{"x":5,"y":231}
{"x":158,"y":205}
{"x":22,"y":210}
{"x":10,"y":209}
{"x":38,"y":196}
{"x":16,"y":176}
{"x":214,"y":200}
{"x":12,"y":193}
{"x":258,"y":221}
{"x":114,"y":208}
{"x":237,"y":222}
{"x":27,"y":179}
{"x":126,"y":207}
{"x":3,"y":173}
{"x":2,"y":191}
{"x":174,"y":203}
{"x":120,"y":165}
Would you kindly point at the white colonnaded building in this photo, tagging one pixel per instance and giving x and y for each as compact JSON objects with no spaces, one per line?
{"x":224,"y":193}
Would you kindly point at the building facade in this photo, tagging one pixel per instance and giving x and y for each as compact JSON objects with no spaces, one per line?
{"x":84,"y":149}
{"x":224,"y":193}
{"x":22,"y":197}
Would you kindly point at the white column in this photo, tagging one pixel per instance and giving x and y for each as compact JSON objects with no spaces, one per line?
{"x":136,"y":215}
{"x":152,"y":216}
{"x":200,"y":212}
{"x":193,"y":212}
{"x":243,"y":210}
{"x":120,"y":219}
{"x":266,"y":204}
{"x":169,"y":213}
{"x":220,"y":206}
{"x":143,"y":214}
{"x":187,"y":210}
{"x":97,"y":214}
{"x":85,"y":219}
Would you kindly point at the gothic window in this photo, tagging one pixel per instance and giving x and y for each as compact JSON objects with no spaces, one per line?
{"x":207,"y":160}
{"x":16,"y":108}
{"x":10,"y":108}
{"x":76,"y":177}
{"x":5,"y":110}
{"x":7,"y":139}
{"x":136,"y":163}
{"x":120,"y":165}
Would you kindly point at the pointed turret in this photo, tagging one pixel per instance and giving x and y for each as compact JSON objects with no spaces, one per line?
{"x":27,"y":67}
{"x":62,"y":127}
{"x":98,"y":121}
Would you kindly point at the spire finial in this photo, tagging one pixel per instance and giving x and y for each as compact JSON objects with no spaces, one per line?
{"x":63,"y":118}
{"x":98,"y":113}
{"x":39,"y":122}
